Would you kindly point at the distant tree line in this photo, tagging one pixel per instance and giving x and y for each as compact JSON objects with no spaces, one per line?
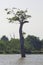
{"x":33,"y":45}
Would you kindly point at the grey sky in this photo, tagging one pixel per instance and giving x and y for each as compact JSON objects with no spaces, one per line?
{"x":34,"y":27}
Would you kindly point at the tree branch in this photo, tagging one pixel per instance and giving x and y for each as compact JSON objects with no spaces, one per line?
{"x":25,"y":22}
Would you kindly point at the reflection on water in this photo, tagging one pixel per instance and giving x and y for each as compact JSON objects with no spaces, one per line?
{"x":16,"y":59}
{"x":21,"y":61}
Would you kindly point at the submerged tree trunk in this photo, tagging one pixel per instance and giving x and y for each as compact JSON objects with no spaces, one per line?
{"x":21,"y":41}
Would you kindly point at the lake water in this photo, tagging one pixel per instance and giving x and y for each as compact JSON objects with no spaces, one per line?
{"x":15,"y":59}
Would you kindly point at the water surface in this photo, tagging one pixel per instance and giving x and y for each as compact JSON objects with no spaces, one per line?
{"x":15,"y":59}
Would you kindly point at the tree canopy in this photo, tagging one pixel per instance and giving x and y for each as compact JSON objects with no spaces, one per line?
{"x":18,"y":15}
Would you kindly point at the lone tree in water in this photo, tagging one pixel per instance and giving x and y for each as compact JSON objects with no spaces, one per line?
{"x":20,"y":16}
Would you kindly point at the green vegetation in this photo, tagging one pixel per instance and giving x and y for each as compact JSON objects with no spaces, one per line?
{"x":32,"y":44}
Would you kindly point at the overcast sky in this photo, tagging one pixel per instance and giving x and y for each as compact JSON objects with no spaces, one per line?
{"x":34,"y":27}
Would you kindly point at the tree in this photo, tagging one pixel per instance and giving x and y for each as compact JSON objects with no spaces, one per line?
{"x":4,"y":38}
{"x":34,"y":41}
{"x":21,"y":16}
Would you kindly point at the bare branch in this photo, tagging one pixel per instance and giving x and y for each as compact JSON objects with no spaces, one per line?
{"x":26,"y":22}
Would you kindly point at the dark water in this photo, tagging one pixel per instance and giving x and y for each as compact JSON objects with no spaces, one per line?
{"x":17,"y":60}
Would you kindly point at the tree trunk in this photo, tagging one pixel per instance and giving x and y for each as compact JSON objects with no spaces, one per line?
{"x":21,"y":41}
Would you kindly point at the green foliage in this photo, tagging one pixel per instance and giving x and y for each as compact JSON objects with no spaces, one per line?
{"x":32,"y":45}
{"x":18,"y":14}
{"x":42,"y":45}
{"x":13,"y":19}
{"x":4,"y":38}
